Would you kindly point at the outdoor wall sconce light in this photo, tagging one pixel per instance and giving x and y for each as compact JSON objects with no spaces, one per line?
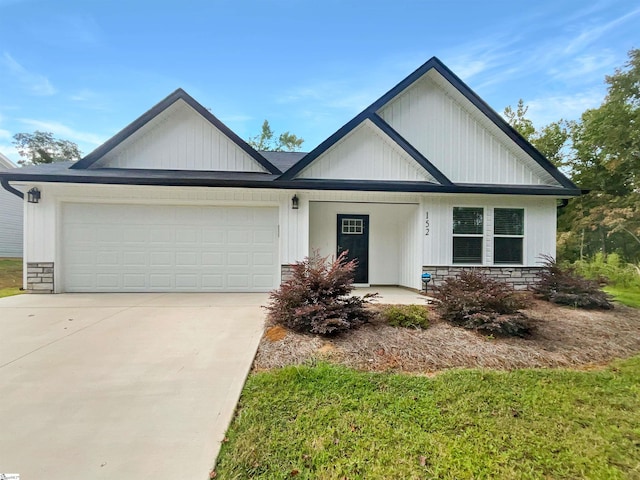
{"x":33,"y":195}
{"x":294,"y":202}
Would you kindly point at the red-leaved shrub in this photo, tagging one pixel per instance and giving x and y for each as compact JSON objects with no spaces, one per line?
{"x":316,"y":297}
{"x":562,"y":285}
{"x":478,"y":302}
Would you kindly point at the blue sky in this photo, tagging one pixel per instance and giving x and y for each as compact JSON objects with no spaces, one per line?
{"x":85,"y":69}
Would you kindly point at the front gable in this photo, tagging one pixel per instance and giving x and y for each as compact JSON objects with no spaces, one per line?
{"x":177,"y":134}
{"x":458,"y":138}
{"x":366,"y":153}
{"x":443,"y":125}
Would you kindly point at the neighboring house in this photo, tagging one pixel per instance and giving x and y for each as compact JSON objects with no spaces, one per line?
{"x":427,"y":178}
{"x":10,"y":218}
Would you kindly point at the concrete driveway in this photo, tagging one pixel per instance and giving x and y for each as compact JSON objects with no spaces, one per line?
{"x":121,"y":386}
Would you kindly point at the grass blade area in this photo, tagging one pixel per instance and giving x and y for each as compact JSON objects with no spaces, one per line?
{"x":10,"y":276}
{"x":626,"y":296}
{"x":331,"y":422}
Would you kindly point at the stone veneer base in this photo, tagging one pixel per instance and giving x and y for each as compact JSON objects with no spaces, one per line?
{"x":519,"y":277}
{"x":40,"y":277}
{"x":286,"y":272}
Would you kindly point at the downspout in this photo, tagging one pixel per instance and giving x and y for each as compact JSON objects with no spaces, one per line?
{"x":5,"y":184}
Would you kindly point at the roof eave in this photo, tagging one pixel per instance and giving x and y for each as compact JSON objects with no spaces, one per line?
{"x":299,"y":184}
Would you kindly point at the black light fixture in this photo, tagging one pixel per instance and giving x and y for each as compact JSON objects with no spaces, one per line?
{"x":33,"y":195}
{"x":294,"y":202}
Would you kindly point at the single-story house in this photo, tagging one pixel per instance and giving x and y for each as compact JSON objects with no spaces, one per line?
{"x":10,"y":218}
{"x":427,"y":178}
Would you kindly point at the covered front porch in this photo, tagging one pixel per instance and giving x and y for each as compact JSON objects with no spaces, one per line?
{"x":384,"y":237}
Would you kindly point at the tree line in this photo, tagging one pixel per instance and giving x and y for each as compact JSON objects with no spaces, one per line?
{"x":600,"y":152}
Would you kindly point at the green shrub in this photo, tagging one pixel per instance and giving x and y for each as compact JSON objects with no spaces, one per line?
{"x":316,"y":298}
{"x":478,"y":302}
{"x":408,"y":316}
{"x":562,"y":285}
{"x":609,"y":269}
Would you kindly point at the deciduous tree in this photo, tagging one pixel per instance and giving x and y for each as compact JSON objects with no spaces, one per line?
{"x":265,"y":141}
{"x":42,"y":147}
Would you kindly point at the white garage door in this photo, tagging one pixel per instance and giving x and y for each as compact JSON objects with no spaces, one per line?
{"x":141,"y":248}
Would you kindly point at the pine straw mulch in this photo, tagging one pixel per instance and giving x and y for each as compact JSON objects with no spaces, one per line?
{"x":562,"y":337}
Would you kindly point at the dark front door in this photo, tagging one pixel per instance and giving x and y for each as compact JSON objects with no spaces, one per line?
{"x":353,"y":235}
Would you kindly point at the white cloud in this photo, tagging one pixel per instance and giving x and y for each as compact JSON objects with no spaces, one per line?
{"x":324,"y":96}
{"x":34,"y":82}
{"x":592,"y":33}
{"x":83,"y":95}
{"x":64,"y":131}
{"x":545,"y":110}
{"x":8,"y":150}
{"x":593,"y":65}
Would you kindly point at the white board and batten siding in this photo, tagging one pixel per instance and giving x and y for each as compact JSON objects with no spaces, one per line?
{"x":366,"y":153}
{"x":539,"y":226}
{"x":179,"y":138}
{"x":11,"y":214}
{"x":398,"y":248}
{"x":457,"y":138}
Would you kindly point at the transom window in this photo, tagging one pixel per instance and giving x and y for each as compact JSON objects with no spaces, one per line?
{"x":352,"y":226}
{"x":508,"y":235}
{"x":468,"y":231}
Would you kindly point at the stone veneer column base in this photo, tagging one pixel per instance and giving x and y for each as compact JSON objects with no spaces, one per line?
{"x":519,"y":277}
{"x":40,"y":277}
{"x":286,"y":272}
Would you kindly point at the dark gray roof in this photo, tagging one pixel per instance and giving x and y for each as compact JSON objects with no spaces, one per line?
{"x":61,"y":173}
{"x":45,"y":168}
{"x":283,"y":160}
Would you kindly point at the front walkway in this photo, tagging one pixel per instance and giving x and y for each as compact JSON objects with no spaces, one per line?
{"x":121,"y":386}
{"x":394,"y":295}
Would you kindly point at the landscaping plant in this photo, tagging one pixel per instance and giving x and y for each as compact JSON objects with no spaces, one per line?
{"x":316,"y":298}
{"x":478,"y":302}
{"x":609,"y":269}
{"x":408,"y":316}
{"x":562,"y":285}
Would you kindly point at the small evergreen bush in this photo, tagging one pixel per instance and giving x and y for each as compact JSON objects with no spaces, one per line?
{"x":408,"y":316}
{"x":316,"y":298}
{"x":478,"y":302}
{"x":562,"y":285}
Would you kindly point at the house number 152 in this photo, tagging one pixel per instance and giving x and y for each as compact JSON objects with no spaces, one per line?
{"x":426,"y":224}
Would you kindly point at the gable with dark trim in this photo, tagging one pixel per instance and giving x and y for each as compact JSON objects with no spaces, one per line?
{"x":370,"y":113}
{"x":179,"y":94}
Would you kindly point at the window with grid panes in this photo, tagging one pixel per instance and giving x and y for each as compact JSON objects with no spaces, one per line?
{"x":468,"y":231}
{"x":508,"y":235}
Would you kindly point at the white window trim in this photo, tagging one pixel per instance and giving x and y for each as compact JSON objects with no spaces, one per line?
{"x":470,"y":235}
{"x":523,"y":237}
{"x":354,"y":226}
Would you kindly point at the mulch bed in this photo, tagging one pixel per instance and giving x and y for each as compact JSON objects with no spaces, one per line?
{"x":562,"y":337}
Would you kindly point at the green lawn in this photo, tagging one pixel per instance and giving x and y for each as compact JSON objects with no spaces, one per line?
{"x":628,"y":296}
{"x":330,"y":422}
{"x":10,"y":276}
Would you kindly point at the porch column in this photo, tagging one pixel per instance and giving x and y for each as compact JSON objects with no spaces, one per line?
{"x":294,"y":231}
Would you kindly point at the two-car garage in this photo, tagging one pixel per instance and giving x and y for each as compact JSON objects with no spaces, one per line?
{"x":147,"y":248}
